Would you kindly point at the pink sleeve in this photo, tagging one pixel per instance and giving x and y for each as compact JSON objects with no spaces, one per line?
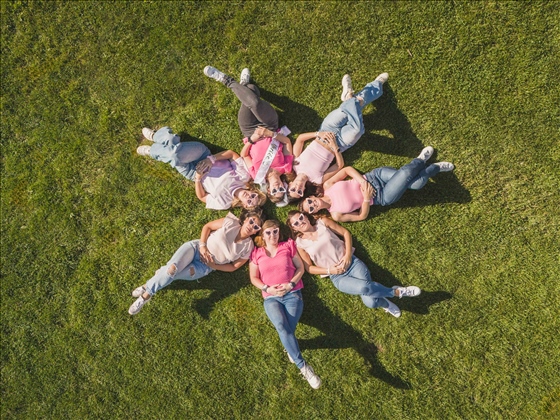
{"x":292,"y":247}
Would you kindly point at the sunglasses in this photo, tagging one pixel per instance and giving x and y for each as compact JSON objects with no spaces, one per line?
{"x":296,"y":191}
{"x":253,"y":224}
{"x":250,"y":200}
{"x":275,"y":191}
{"x":298,"y":221}
{"x":309,"y":202}
{"x":272,"y":232}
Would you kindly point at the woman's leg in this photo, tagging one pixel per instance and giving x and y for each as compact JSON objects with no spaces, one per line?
{"x":281,"y":318}
{"x":346,"y":122}
{"x":168,"y":148}
{"x":400,"y":181}
{"x":254,"y":112}
{"x":424,"y":176}
{"x":357,"y":281}
{"x":370,"y":92}
{"x":185,"y":264}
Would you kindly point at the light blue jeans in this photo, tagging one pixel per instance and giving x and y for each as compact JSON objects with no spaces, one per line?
{"x":390,"y":183}
{"x":284,"y":313}
{"x":346,"y":121}
{"x":188,"y":267}
{"x":168,"y":148}
{"x":357,"y":281}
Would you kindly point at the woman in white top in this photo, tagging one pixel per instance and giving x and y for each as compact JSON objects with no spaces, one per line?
{"x":222,"y":181}
{"x":324,"y":253}
{"x":225,"y":245}
{"x":340,"y":130}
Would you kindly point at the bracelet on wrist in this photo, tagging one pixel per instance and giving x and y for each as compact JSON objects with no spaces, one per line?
{"x":201,"y":244}
{"x":328,"y":271}
{"x":212,"y":159}
{"x":274,"y":135}
{"x":264,"y":287}
{"x":293,"y":284}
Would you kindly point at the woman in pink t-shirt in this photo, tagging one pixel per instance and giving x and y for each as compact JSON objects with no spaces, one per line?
{"x":350,"y":200}
{"x":276,"y":269}
{"x":323,"y":252}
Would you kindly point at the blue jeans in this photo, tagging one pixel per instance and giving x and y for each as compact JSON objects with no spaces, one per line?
{"x":188,"y":267}
{"x":357,"y":281}
{"x":284,"y":313}
{"x":390,"y":183}
{"x":168,"y":148}
{"x":346,"y":121}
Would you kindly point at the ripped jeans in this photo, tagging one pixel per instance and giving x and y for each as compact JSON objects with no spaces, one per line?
{"x":185,"y":264}
{"x":182,"y":156}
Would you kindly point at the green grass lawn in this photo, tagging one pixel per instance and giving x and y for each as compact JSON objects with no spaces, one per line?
{"x":85,"y":219}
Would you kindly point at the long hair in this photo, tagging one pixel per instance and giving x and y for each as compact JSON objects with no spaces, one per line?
{"x":312,"y":221}
{"x":259,"y":239}
{"x":286,"y":178}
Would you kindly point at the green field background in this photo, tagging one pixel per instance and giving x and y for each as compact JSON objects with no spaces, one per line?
{"x":85,"y":219}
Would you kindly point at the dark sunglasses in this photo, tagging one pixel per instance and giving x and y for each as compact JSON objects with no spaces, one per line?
{"x":299,"y":220}
{"x":253,"y":224}
{"x":309,"y":202}
{"x":275,"y":191}
{"x":272,"y":232}
{"x":298,"y":192}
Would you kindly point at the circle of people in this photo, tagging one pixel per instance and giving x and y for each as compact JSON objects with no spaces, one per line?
{"x":269,"y":166}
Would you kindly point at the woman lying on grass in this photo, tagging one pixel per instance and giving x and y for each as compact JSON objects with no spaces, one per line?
{"x":349,"y":201}
{"x":276,"y":269}
{"x":221,"y":180}
{"x":340,"y":130}
{"x":324,"y":253}
{"x":225,"y":245}
{"x":266,"y":159}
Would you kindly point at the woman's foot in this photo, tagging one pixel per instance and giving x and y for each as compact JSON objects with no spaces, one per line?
{"x":217,"y":75}
{"x":445,"y":166}
{"x":426,"y":153}
{"x":347,"y":91}
{"x":245,"y":77}
{"x":392,"y":309}
{"x":310,"y":376}
{"x":383,"y":77}
{"x":409,"y":291}
{"x":144,"y":150}
{"x":137,"y":305}
{"x":148,"y":133}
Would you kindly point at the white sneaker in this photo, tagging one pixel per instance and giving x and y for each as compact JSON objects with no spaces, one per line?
{"x":409,"y":291}
{"x":392,"y":309}
{"x":445,"y":166}
{"x":383,"y":77}
{"x":426,"y":153}
{"x":347,"y":91}
{"x":144,"y":150}
{"x":245,"y":77}
{"x":215,"y":74}
{"x":148,"y":133}
{"x":138,"y":291}
{"x":310,"y":376}
{"x":137,"y":305}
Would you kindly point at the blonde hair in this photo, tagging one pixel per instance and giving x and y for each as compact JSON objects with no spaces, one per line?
{"x":250,"y":186}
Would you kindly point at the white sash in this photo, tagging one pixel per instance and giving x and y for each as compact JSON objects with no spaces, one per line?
{"x":267,"y":161}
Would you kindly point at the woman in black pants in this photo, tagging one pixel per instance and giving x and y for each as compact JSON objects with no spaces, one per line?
{"x":254,"y":112}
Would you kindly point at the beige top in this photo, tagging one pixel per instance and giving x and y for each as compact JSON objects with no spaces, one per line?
{"x":221,"y":243}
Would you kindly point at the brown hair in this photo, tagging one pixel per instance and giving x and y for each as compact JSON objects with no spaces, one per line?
{"x":259,"y":240}
{"x":312,"y":221}
{"x":246,"y":214}
{"x":286,"y":178}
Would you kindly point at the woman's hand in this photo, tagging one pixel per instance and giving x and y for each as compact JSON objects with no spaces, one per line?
{"x":279,"y":289}
{"x":367,"y":190}
{"x":260,"y":133}
{"x":205,"y":255}
{"x":203,"y":166}
{"x":344,"y":263}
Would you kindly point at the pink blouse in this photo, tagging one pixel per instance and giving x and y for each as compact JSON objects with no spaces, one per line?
{"x":314,"y":162}
{"x":279,"y":269}
{"x":281,"y":162}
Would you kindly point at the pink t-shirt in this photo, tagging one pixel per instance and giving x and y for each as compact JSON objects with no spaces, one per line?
{"x":327,"y":250}
{"x":279,"y":269}
{"x":281,"y":162}
{"x":346,"y":196}
{"x":314,"y":162}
